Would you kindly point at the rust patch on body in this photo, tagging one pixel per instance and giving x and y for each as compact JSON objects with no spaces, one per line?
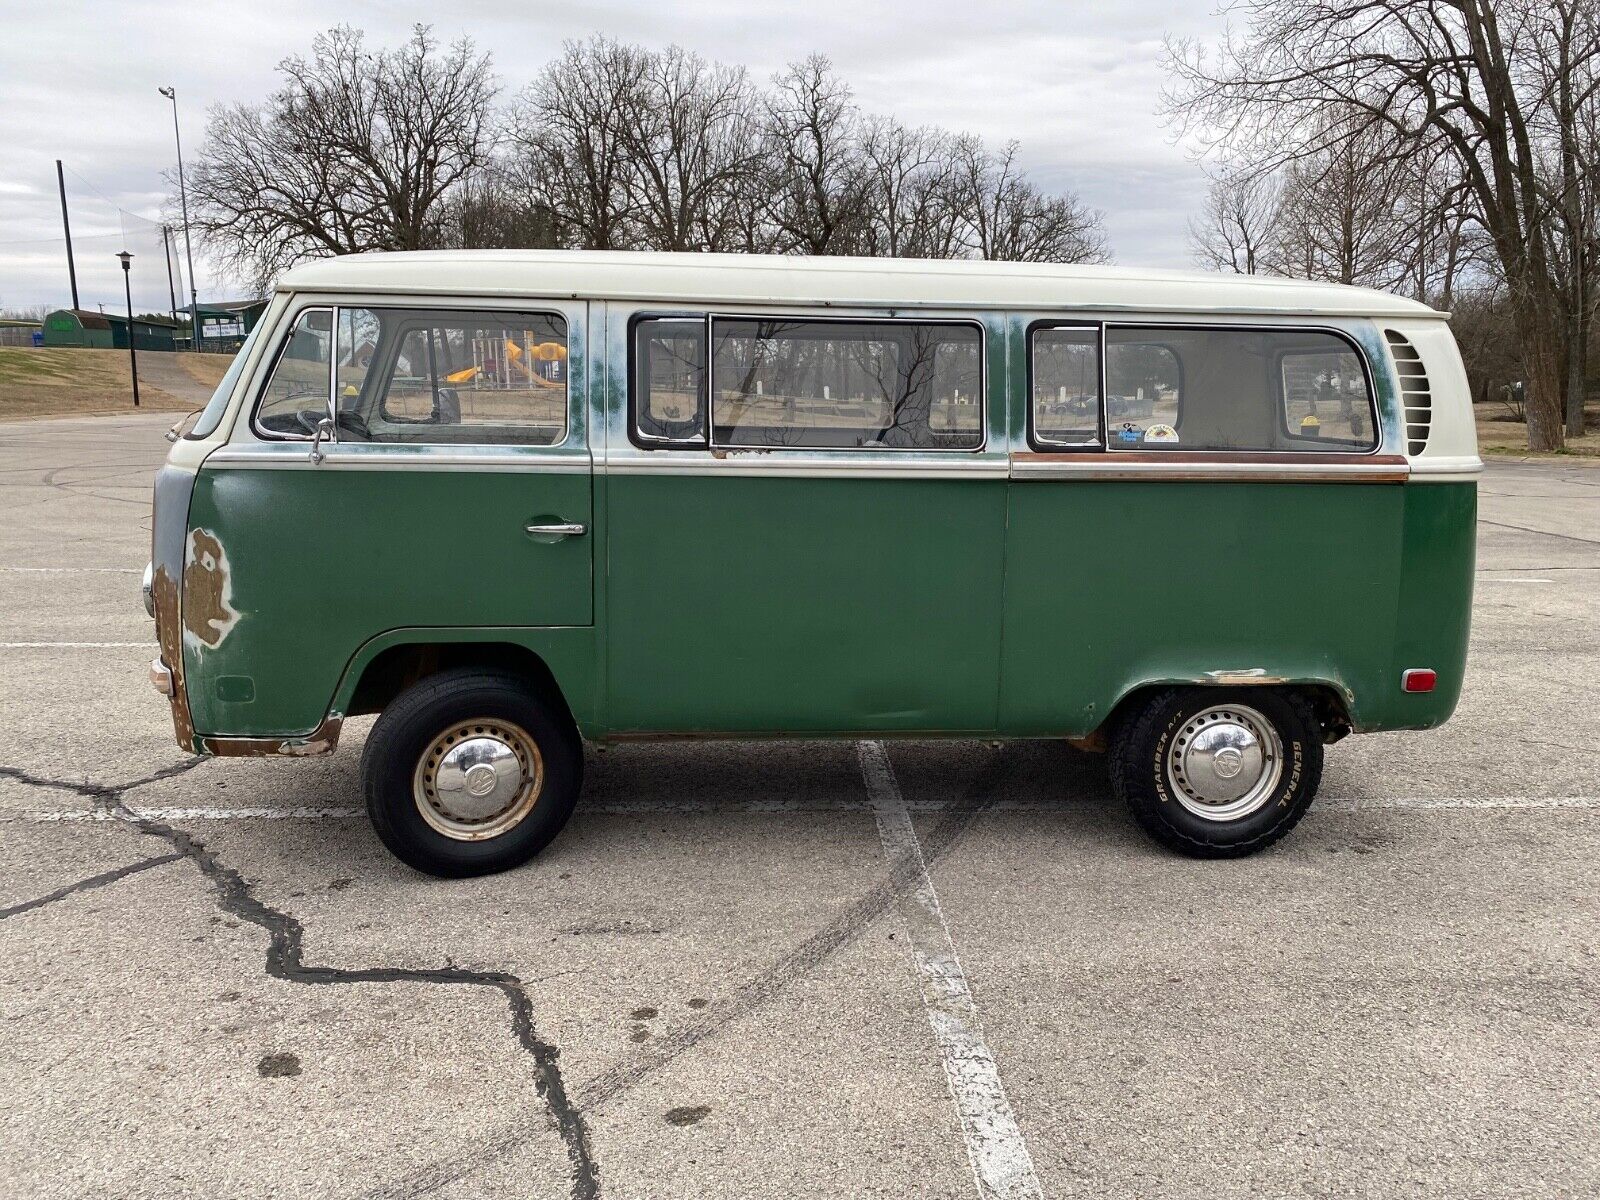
{"x":208,"y":611}
{"x":324,"y":739}
{"x":169,"y":637}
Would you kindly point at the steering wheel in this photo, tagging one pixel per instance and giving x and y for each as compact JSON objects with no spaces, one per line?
{"x":309,"y":419}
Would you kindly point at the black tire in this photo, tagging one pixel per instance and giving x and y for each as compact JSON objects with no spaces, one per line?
{"x":424,"y":712}
{"x":1139,"y":775}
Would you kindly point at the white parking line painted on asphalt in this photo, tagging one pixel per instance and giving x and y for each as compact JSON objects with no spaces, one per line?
{"x":1001,"y":1164}
{"x":1516,"y":580}
{"x":74,"y":645}
{"x":71,"y":570}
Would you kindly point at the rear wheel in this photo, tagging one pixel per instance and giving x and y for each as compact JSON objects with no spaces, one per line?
{"x":1218,"y":772}
{"x":469,"y":772}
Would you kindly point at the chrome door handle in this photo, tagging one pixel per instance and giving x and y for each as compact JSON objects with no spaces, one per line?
{"x":573,"y":529}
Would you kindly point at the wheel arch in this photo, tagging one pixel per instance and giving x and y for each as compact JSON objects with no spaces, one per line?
{"x":1329,"y":701}
{"x":389,"y":664}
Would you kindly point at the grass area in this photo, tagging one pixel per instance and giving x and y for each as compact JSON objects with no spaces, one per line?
{"x":1499,"y":433}
{"x":63,"y":382}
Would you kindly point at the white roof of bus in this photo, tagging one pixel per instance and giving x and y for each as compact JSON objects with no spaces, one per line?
{"x":768,"y":279}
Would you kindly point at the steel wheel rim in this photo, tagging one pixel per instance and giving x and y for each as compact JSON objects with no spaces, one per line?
{"x":1225,"y":762}
{"x":478,"y":779}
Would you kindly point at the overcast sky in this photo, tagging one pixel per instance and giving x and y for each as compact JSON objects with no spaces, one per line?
{"x":1076,"y":83}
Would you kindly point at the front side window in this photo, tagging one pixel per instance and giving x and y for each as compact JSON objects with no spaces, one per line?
{"x":846,"y":384}
{"x":296,"y":395}
{"x":451,"y":378}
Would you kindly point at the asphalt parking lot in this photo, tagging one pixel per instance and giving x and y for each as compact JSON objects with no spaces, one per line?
{"x":920,"y":969}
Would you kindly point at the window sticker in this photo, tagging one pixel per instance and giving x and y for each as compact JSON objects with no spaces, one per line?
{"x":1129,"y":434}
{"x":1161,"y":432}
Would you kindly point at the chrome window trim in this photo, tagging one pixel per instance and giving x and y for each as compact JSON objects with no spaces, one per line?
{"x":291,"y":322}
{"x":829,"y":317}
{"x":403,"y":456}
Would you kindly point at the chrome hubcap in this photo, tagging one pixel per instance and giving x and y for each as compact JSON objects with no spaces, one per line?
{"x":1225,"y":762}
{"x":478,"y":779}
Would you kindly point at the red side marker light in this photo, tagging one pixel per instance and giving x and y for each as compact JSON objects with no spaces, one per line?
{"x":1418,"y":679}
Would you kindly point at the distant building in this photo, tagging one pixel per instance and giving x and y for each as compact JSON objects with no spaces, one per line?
{"x":225,"y":324}
{"x":104,"y":331}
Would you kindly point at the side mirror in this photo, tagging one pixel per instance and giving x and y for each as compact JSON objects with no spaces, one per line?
{"x":183,"y":425}
{"x":324,"y":430}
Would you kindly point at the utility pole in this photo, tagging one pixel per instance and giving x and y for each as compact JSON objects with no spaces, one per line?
{"x":188,"y":248}
{"x":127,"y":291}
{"x":172,"y":294}
{"x":66,"y":227}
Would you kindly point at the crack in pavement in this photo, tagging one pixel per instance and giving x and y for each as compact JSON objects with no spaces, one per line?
{"x":904,"y":875}
{"x":89,"y":884}
{"x":285,"y":958}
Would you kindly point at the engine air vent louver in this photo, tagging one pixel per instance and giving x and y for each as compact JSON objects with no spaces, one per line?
{"x":1415,"y":394}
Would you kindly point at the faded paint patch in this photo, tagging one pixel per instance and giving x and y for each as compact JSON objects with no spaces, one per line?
{"x":1245,"y":675}
{"x":208,"y":611}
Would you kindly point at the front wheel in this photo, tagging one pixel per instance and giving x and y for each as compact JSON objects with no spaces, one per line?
{"x":1218,"y":772}
{"x":469,"y":772}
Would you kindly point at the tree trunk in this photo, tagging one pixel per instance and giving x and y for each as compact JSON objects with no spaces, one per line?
{"x":1544,"y":395}
{"x":1577,"y":369}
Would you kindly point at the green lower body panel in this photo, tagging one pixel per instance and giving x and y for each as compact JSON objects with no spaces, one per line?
{"x":1111,"y":586}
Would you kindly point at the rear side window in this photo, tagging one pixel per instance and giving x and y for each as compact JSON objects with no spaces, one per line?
{"x":1191,"y":388}
{"x":846,"y":384}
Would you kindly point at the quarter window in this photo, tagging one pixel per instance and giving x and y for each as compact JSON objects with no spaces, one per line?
{"x":669,"y":386}
{"x":296,"y":395}
{"x":847,"y":384}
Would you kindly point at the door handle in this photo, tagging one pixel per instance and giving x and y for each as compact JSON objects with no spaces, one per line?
{"x":571,"y":529}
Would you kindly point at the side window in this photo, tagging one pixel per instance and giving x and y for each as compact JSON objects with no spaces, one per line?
{"x":669,"y":380}
{"x":1066,"y":386}
{"x":1325,"y":398}
{"x":452,"y":378}
{"x":846,"y":384}
{"x":296,"y":395}
{"x":1235,"y":389}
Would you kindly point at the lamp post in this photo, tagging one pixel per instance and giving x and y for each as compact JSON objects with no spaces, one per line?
{"x":183,"y":199}
{"x":127,"y":291}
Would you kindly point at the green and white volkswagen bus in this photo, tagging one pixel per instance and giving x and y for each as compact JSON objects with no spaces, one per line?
{"x":514,"y":502}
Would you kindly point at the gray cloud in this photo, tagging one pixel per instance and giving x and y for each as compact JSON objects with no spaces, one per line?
{"x":1076,"y":84}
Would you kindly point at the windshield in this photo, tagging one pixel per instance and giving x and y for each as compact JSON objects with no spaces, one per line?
{"x":211,"y":415}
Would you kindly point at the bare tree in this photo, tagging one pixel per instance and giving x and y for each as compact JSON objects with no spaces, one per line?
{"x":569,"y":134}
{"x":1237,"y":225}
{"x":820,"y":183}
{"x":692,"y":145}
{"x":911,"y":179}
{"x":357,"y":151}
{"x":1007,"y":217}
{"x":1457,"y":76}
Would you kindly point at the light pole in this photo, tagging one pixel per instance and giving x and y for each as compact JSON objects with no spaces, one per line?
{"x":127,"y":290}
{"x":183,"y":199}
